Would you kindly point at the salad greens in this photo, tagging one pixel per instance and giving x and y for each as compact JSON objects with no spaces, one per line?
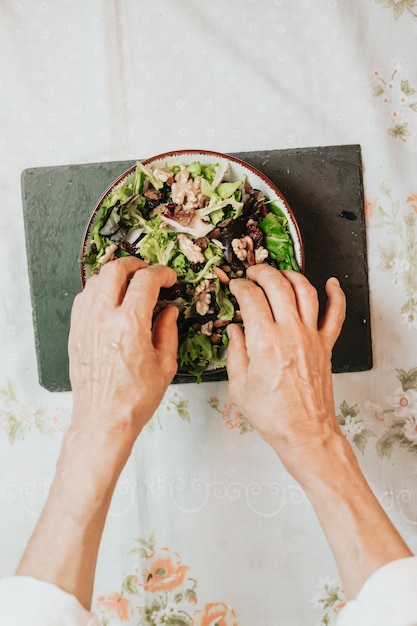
{"x":196,"y":353}
{"x":275,"y":229}
{"x":209,"y":229}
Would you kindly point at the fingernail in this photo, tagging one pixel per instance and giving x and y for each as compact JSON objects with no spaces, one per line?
{"x":335,"y":281}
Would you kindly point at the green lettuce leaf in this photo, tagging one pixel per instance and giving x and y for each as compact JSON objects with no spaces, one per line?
{"x":120,"y":196}
{"x":193,"y":277}
{"x":206,"y":189}
{"x":227,"y":310}
{"x":159,"y":245}
{"x":155,"y":182}
{"x":138,"y":180}
{"x":278,"y":241}
{"x":180,"y":264}
{"x":216,"y":208}
{"x":196,"y":353}
{"x":227,"y":190}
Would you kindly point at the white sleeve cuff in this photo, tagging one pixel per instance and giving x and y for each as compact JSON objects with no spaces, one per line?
{"x":25,"y":600}
{"x":387,"y":598}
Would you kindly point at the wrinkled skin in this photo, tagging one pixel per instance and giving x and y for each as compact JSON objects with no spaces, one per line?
{"x":121,"y":365}
{"x":279,"y":367}
{"x":280,"y":374}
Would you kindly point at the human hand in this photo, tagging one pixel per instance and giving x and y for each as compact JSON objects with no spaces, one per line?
{"x":279,"y":371}
{"x":120,"y":366}
{"x":279,"y":367}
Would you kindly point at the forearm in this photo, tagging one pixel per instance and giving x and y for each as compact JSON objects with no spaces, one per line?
{"x":279,"y":370}
{"x":64,"y":546}
{"x":359,"y":532}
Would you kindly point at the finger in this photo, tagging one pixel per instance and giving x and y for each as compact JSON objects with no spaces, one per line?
{"x":144,"y":287}
{"x":278,"y":291}
{"x":254,"y":308}
{"x":306,"y":297}
{"x":237,"y":358}
{"x":165,"y":338}
{"x":334,"y":316}
{"x":111,"y":283}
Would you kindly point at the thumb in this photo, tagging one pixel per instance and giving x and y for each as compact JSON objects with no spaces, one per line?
{"x":334,"y":316}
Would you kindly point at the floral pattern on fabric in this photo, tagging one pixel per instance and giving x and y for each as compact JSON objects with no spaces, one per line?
{"x":160,"y":591}
{"x":399,"y":256}
{"x":231,"y":415}
{"x":116,"y":607}
{"x":354,"y":426}
{"x":162,"y":571}
{"x":400,"y":7}
{"x":88,"y":83}
{"x":394,"y":425}
{"x":329,"y":598}
{"x":215,"y":614}
{"x":18,"y":418}
{"x":399,"y":100}
{"x":402,"y":408}
{"x":170,"y":404}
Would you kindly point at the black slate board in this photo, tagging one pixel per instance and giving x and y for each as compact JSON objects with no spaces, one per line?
{"x":323,"y":186}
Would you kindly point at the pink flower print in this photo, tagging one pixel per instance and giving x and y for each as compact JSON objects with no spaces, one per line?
{"x":162,"y":571}
{"x":412,"y":200}
{"x":115,"y":606}
{"x":215,"y":614}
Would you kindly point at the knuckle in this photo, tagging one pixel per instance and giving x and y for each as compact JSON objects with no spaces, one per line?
{"x":127,"y":322}
{"x":340,"y":317}
{"x":307,"y":288}
{"x":110,"y":271}
{"x":149,"y":273}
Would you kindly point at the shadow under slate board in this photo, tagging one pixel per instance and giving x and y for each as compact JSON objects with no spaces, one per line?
{"x":322,"y":185}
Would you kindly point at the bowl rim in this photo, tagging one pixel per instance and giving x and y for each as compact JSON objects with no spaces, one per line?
{"x":210,"y":153}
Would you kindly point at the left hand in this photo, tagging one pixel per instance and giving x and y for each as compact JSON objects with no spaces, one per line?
{"x":121,"y":365}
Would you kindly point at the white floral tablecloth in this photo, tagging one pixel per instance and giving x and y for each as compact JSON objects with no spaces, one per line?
{"x":203,"y":505}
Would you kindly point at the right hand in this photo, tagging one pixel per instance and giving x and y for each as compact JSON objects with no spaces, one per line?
{"x":120,"y":362}
{"x":279,"y":367}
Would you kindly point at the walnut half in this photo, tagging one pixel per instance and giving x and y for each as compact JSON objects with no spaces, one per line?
{"x":202,"y":297}
{"x":190,"y":249}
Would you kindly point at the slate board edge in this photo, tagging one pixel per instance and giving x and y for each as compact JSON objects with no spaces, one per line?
{"x":26,"y":173}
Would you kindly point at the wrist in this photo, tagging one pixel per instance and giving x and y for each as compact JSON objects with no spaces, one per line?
{"x":332,"y":466}
{"x":113,"y":429}
{"x":96,"y":452}
{"x":318,"y":461}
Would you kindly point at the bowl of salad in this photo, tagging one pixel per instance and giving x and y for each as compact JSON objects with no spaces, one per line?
{"x":207,"y":215}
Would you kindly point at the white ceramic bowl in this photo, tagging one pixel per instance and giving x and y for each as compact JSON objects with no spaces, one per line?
{"x":237,"y":169}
